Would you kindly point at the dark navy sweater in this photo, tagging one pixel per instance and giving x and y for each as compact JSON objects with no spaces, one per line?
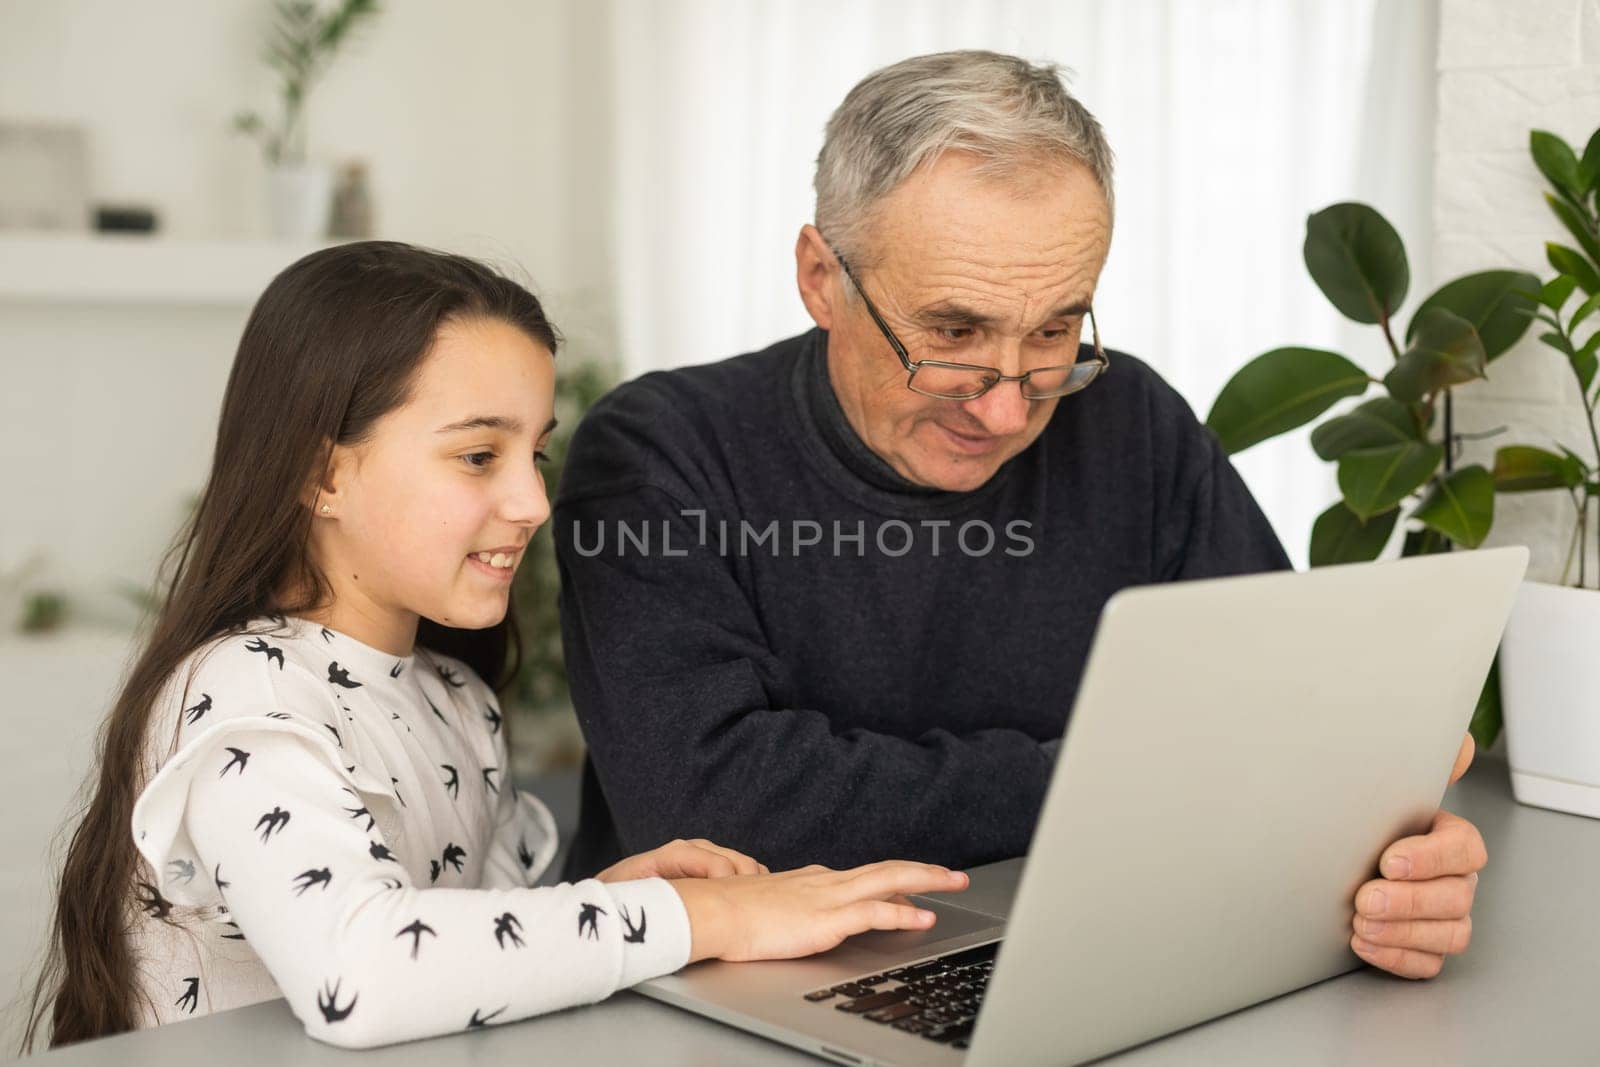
{"x":775,"y":642}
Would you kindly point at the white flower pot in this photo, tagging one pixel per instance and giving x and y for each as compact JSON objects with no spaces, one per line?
{"x":299,"y":198}
{"x":1550,"y":693}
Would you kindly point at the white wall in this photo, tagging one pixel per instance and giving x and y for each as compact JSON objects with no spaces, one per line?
{"x":473,"y":119}
{"x":1505,"y":69}
{"x":462,"y":109}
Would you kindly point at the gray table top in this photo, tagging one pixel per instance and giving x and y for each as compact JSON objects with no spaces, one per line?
{"x":1524,"y":992}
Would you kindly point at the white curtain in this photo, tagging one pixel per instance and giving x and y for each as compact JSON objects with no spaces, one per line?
{"x":1231,"y":121}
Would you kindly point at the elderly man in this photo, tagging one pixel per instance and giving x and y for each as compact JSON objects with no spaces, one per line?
{"x":830,"y":601}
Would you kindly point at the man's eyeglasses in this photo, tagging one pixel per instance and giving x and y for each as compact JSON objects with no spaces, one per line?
{"x":944,"y":380}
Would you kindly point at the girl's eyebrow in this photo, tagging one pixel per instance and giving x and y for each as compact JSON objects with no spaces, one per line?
{"x":492,"y":422}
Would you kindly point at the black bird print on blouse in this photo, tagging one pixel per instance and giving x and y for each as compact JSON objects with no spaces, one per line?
{"x":192,"y":715}
{"x":451,"y":678}
{"x":394,"y":672}
{"x":180,"y":869}
{"x":453,"y":855}
{"x":217,"y":877}
{"x":391,"y":883}
{"x":433,"y":871}
{"x":317,"y":876}
{"x":336,"y":738}
{"x":237,"y":934}
{"x":494,"y":718}
{"x":437,"y":712}
{"x":341,"y":677}
{"x":586,"y":918}
{"x":240,"y":757}
{"x":152,"y":902}
{"x":396,"y":783}
{"x":327,"y":634}
{"x":356,"y":813}
{"x":277,"y":714}
{"x":524,"y":857}
{"x":452,"y":780}
{"x":380,"y":851}
{"x":191,"y":993}
{"x":255,"y":644}
{"x":635,"y":934}
{"x":328,"y":1003}
{"x":476,"y":1022}
{"x":488,"y":778}
{"x":506,"y":926}
{"x":274,"y":821}
{"x":416,"y":929}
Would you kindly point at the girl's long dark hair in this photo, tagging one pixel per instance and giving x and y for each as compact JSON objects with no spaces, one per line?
{"x":332,"y":345}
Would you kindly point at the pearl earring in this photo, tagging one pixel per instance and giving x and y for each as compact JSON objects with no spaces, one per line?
{"x":326,"y":510}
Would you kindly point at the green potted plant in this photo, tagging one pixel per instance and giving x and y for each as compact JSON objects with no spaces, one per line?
{"x":1549,"y":679}
{"x":301,"y":43}
{"x":1396,"y":451}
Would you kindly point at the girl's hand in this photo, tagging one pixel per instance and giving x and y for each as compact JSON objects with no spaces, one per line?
{"x":698,"y":858}
{"x":800,"y":912}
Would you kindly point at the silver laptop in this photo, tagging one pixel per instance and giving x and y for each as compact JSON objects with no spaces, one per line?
{"x":1219,"y":722}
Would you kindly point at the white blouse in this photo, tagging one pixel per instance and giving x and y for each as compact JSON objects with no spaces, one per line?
{"x":330,"y":824}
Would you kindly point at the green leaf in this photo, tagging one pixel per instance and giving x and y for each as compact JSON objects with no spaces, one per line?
{"x":1585,"y":309}
{"x":1358,"y":261}
{"x":1525,"y":469}
{"x":1577,"y":224}
{"x":1460,"y":506}
{"x":1590,"y":164}
{"x":1446,"y":351}
{"x":1494,"y":301}
{"x":1340,"y":536}
{"x":1373,"y":480}
{"x":1558,"y":340}
{"x":1373,"y":424}
{"x":1557,"y":290}
{"x":1486,"y":717}
{"x":1557,"y":162}
{"x":1569,"y":261}
{"x":1280,"y":390}
{"x":1584,"y":361}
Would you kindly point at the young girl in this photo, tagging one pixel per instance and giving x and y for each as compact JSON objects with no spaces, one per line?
{"x":303,"y":786}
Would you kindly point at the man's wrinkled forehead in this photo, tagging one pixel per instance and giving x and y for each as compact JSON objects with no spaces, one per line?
{"x":996,"y":245}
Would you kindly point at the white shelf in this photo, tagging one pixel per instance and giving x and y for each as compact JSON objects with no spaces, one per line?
{"x":139,"y":269}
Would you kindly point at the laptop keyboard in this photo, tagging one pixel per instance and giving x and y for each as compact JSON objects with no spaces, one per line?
{"x":937,"y":1000}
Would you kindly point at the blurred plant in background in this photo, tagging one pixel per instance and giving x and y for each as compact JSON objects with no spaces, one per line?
{"x":301,"y":43}
{"x":30,"y":609}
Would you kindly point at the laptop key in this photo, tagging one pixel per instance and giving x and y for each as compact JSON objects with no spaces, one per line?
{"x":821,"y":994}
{"x":861,"y":1005}
{"x":892,"y":1012}
{"x":953,"y":1032}
{"x":852,"y":989}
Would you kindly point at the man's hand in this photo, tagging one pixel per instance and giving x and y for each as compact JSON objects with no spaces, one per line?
{"x":1420,"y":911}
{"x":698,"y":858}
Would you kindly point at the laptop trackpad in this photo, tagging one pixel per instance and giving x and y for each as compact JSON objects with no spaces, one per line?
{"x":952,"y":922}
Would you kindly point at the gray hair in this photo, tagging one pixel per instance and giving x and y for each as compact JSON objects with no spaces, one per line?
{"x":1007,"y":111}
